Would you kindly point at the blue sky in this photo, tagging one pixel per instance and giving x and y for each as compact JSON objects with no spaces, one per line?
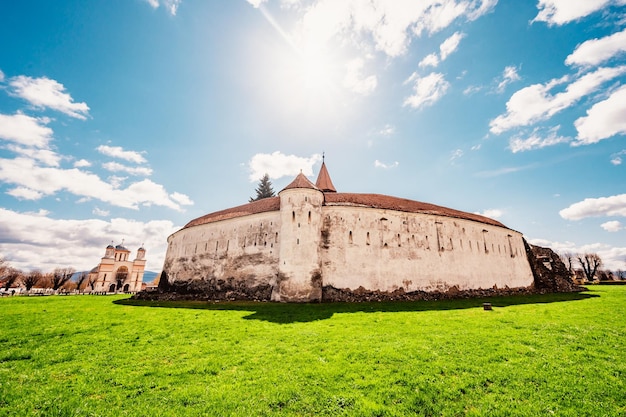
{"x":125,"y":119}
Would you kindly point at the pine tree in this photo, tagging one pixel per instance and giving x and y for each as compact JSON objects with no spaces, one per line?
{"x":264,"y":190}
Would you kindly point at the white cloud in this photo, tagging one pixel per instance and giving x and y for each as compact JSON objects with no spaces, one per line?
{"x":25,"y":130}
{"x":82,"y":163}
{"x":427,"y":90}
{"x":48,"y":181}
{"x":450,"y":45}
{"x":32,"y":240}
{"x":116,"y":167}
{"x":46,"y":93}
{"x":616,"y":158}
{"x":382,"y":165}
{"x":559,"y":12}
{"x":119,"y":152}
{"x":603,"y":120}
{"x":535,"y":140}
{"x":509,"y":75}
{"x":1,"y":76}
{"x":456,"y":154}
{"x":596,"y":207}
{"x":170,"y":5}
{"x":45,"y":156}
{"x":597,"y":51}
{"x":278,"y":165}
{"x":99,"y":212}
{"x":430,"y":60}
{"x":388,"y":130}
{"x":23,"y":193}
{"x":181,"y":199}
{"x":256,"y":3}
{"x":355,"y":81}
{"x":471,"y":90}
{"x":535,"y":103}
{"x":116,"y":181}
{"x":446,"y":48}
{"x":612,"y":226}
{"x":491,"y":213}
{"x":390,"y":24}
{"x":612,"y":257}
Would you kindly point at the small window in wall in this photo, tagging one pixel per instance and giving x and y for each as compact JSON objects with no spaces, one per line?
{"x":511,"y":246}
{"x":367,"y":239}
{"x":306,"y":198}
{"x":297,"y":241}
{"x":293,"y":216}
{"x":350,"y":236}
{"x":309,"y":217}
{"x":399,"y":240}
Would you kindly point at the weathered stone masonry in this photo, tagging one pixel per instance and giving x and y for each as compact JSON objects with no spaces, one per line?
{"x":311,"y":243}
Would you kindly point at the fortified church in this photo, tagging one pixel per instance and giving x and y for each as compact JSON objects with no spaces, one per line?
{"x":311,"y":242}
{"x":116,"y":272}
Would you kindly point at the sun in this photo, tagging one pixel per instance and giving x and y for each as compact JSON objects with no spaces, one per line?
{"x":303,"y":75}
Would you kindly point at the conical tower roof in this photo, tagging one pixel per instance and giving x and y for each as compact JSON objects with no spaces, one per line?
{"x":324,"y":182}
{"x":300,"y":181}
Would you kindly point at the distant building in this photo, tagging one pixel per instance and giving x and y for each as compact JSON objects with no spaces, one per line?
{"x":116,"y":273}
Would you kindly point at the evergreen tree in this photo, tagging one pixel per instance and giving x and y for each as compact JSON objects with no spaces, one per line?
{"x":264,"y":190}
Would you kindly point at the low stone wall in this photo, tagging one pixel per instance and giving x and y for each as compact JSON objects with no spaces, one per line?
{"x":331,"y":294}
{"x":208,"y":290}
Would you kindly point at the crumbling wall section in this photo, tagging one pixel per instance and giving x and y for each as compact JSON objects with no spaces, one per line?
{"x":551,"y":274}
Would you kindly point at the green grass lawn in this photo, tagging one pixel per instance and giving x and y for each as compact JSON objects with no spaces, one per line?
{"x":562,"y":355}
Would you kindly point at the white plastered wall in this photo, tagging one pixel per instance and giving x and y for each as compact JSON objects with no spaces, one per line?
{"x":244,"y":248}
{"x":386,"y":250}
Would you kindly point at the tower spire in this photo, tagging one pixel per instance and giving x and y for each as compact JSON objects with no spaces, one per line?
{"x":324,"y":182}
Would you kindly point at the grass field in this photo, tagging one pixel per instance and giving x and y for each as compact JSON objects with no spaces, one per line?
{"x":562,"y":355}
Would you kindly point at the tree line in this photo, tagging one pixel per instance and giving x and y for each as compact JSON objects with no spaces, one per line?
{"x":60,"y":279}
{"x":590,"y":267}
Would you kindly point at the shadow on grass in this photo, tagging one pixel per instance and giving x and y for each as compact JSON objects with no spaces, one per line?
{"x":283,"y":313}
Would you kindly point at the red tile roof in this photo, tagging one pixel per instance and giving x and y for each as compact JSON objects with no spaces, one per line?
{"x":401,"y":204}
{"x":378,"y":201}
{"x":300,"y":182}
{"x":260,"y":206}
{"x":323,"y":181}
